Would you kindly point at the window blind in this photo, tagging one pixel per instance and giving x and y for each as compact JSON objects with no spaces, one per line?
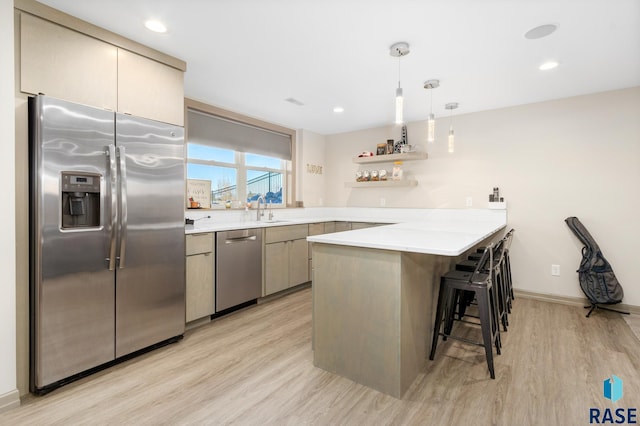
{"x":206,"y":129}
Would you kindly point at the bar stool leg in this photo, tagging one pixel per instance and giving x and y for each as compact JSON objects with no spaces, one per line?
{"x":438,"y":322}
{"x":509,"y":280}
{"x":495,"y":319}
{"x":484,"y":311}
{"x":502,"y":304}
{"x":451,"y":301}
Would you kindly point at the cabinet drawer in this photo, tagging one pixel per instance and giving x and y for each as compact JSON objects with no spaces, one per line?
{"x":199,"y":243}
{"x":286,"y":233}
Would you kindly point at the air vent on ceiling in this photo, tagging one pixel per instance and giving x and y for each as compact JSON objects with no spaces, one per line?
{"x":294,"y":101}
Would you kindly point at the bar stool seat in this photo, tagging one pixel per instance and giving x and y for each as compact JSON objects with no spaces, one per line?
{"x":480,"y":284}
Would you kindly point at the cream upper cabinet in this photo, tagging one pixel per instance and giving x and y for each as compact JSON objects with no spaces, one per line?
{"x":66,"y":64}
{"x":149,"y":89}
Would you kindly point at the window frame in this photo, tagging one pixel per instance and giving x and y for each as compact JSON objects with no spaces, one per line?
{"x":289,"y":173}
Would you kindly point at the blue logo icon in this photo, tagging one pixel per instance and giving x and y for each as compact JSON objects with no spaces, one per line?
{"x":613,"y":388}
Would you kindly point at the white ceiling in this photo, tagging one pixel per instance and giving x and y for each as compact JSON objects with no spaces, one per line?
{"x":249,"y":56}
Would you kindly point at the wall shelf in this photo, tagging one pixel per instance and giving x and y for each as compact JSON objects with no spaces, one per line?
{"x":382,"y":184}
{"x":388,"y":158}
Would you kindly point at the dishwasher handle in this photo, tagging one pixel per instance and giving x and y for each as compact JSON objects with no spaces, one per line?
{"x":240,"y":239}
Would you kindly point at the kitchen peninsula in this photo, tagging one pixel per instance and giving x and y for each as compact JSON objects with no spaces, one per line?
{"x":375,"y":292}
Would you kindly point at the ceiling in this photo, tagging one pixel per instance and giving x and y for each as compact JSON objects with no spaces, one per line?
{"x":249,"y":56}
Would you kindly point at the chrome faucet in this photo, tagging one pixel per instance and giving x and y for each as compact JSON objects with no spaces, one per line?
{"x":258,"y":215}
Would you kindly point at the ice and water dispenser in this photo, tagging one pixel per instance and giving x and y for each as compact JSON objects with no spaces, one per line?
{"x":80,"y":200}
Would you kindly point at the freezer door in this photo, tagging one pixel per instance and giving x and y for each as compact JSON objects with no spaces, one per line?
{"x":72,"y":289}
{"x":150,"y":276}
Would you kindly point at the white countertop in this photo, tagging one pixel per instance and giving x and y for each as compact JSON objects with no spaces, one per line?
{"x":448,"y":232}
{"x":222,"y":220}
{"x":414,"y":237}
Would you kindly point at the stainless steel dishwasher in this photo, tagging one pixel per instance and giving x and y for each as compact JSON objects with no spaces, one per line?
{"x":238,"y":267}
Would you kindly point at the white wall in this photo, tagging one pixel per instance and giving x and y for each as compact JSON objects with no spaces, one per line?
{"x":8,"y":392}
{"x":311,"y":168}
{"x":571,"y":157}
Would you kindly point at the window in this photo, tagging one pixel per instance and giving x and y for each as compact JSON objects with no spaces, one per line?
{"x":241,"y":161}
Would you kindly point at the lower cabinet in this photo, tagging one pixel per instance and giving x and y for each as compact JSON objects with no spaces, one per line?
{"x":286,"y":258}
{"x":200,"y":265}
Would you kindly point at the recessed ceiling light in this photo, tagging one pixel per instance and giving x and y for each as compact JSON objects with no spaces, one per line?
{"x":338,"y":109}
{"x":540,"y":31}
{"x":155,"y":26}
{"x":548,"y":65}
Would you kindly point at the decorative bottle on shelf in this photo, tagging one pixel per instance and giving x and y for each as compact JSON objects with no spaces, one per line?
{"x":396,"y":174}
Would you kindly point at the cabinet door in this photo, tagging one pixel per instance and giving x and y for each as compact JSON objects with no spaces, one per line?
{"x":343,"y":226}
{"x":316,"y":228}
{"x":276,"y":269}
{"x":200,"y":295}
{"x":298,"y":262}
{"x":149,"y":89}
{"x":329,"y":227}
{"x":65,"y":64}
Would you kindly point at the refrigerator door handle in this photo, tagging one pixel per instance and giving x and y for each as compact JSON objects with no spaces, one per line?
{"x":123,"y":207}
{"x":113,"y":190}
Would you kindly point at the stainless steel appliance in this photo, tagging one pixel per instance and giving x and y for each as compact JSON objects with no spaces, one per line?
{"x":107,"y":238}
{"x":238,"y":267}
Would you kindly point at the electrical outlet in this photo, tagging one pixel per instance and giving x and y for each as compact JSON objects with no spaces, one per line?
{"x":555,"y":270}
{"x":469,"y":201}
{"x":383,"y":201}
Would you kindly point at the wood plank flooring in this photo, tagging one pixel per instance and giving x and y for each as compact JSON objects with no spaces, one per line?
{"x":255,"y":367}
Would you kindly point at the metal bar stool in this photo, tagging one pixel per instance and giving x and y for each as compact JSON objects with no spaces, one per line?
{"x":480,"y":283}
{"x":507,"y":264}
{"x":497,"y":267}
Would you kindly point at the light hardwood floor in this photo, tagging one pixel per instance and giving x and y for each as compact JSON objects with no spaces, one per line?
{"x":256,"y":367}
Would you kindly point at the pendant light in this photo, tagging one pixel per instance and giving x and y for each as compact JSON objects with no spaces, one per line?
{"x":398,"y":50}
{"x":431,"y":122}
{"x":451,"y":106}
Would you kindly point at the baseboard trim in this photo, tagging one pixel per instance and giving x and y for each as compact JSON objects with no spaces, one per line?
{"x":197,"y":323}
{"x":568,"y":300}
{"x":9,"y":400}
{"x":285,"y":292}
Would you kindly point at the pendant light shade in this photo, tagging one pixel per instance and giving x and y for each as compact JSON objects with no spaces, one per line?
{"x":399,"y":106}
{"x":431,"y":122}
{"x":431,"y":128}
{"x":451,"y":139}
{"x":398,"y":50}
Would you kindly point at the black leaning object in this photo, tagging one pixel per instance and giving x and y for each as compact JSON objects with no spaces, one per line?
{"x":597,"y":280}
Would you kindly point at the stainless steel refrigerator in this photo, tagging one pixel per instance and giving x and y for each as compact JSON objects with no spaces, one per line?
{"x":107,"y":238}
